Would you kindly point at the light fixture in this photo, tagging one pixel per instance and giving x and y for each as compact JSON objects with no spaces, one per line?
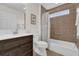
{"x":24,"y":8}
{"x":56,"y":3}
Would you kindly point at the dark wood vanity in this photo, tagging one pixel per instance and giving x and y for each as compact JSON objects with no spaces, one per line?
{"x":19,"y":46}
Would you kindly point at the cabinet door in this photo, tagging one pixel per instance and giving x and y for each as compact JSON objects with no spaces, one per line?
{"x":13,"y":52}
{"x":22,"y":50}
{"x":17,"y":47}
{"x":1,"y":48}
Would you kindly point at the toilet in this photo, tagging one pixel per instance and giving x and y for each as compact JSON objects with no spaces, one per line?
{"x":39,"y":46}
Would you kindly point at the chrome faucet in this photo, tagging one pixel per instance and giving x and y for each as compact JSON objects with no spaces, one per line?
{"x":16,"y":31}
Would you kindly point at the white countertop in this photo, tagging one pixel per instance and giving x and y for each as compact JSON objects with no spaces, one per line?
{"x":9,"y":36}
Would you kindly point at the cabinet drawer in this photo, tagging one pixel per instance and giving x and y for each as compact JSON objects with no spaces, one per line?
{"x":29,"y":53}
{"x":17,"y":46}
{"x":1,"y":46}
{"x":18,"y":51}
{"x":15,"y":43}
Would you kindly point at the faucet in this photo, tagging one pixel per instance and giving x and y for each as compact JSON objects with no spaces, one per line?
{"x":16,"y":31}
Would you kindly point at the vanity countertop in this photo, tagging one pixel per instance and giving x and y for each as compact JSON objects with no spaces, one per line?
{"x":10,"y":36}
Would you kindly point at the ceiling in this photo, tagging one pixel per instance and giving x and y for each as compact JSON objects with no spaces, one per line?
{"x":21,"y":6}
{"x":51,"y":5}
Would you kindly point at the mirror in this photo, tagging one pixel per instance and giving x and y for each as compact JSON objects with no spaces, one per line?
{"x":12,"y":18}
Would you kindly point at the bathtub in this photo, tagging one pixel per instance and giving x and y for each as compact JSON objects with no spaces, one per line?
{"x":63,"y":47}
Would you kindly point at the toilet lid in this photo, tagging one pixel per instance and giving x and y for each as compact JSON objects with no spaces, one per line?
{"x":41,"y":43}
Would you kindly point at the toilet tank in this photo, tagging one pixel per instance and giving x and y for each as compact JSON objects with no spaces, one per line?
{"x":36,"y":37}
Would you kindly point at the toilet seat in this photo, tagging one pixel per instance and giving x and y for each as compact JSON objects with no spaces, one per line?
{"x":39,"y":46}
{"x":42,"y":44}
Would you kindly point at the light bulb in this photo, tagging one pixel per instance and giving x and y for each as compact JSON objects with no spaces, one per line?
{"x":24,"y":8}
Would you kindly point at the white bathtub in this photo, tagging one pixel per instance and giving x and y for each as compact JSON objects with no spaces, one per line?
{"x":63,"y":47}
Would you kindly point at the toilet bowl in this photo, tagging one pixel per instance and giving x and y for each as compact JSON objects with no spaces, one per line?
{"x":39,"y":46}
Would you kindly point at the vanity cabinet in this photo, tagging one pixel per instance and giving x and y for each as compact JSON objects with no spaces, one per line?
{"x":20,"y":46}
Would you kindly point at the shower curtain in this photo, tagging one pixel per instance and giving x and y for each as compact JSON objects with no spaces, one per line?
{"x":44,"y":27}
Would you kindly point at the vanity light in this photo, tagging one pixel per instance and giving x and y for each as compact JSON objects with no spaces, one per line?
{"x":56,"y":3}
{"x":24,"y":8}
